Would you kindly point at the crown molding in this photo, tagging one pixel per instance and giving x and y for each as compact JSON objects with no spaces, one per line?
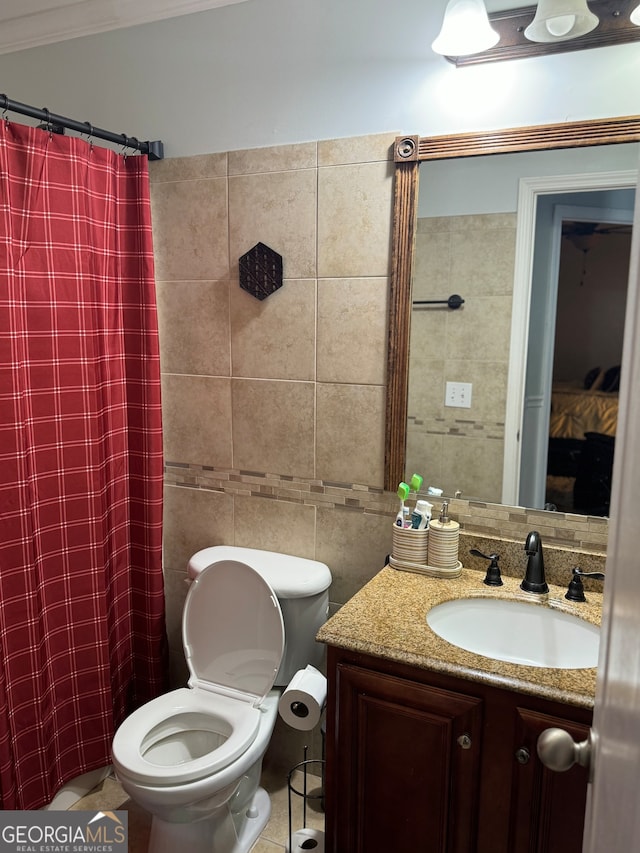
{"x":33,"y":23}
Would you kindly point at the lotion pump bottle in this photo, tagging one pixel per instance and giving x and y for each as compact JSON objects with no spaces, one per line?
{"x":443,"y":541}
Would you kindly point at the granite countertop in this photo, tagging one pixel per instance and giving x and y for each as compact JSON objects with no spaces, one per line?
{"x":387,"y":619}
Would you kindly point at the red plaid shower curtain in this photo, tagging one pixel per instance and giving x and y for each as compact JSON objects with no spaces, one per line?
{"x":82,"y":638}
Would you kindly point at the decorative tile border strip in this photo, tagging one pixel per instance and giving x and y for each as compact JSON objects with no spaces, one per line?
{"x":477,"y":518}
{"x":456,"y":426}
{"x":282,"y":487}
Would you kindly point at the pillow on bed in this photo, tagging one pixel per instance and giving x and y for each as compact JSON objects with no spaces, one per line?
{"x":611,"y":380}
{"x":593,"y":380}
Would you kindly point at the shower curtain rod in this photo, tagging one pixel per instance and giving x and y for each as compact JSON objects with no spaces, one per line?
{"x":154,"y":150}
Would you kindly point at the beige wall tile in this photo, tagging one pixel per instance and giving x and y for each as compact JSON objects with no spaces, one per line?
{"x":432,"y":265}
{"x":279,"y":210}
{"x":425,"y":455}
{"x":358,"y":149}
{"x":175,"y":593}
{"x":352,"y":330}
{"x":275,"y":338}
{"x":474,"y":257}
{"x":433,"y":224}
{"x":354,"y":220}
{"x":474,"y":254}
{"x":488,"y":222}
{"x":428,"y":336}
{"x":188,"y":219}
{"x":480,"y":329}
{"x":197,"y":420}
{"x":426,"y":390}
{"x":482,"y":262}
{"x":489,"y":391}
{"x":194,"y":519}
{"x":474,"y":467}
{"x":350,"y":442}
{"x":354,"y":546}
{"x":193,"y":322}
{"x":273,"y":426}
{"x":278,"y":158}
{"x":477,"y":433}
{"x":188,"y":168}
{"x":275,"y":526}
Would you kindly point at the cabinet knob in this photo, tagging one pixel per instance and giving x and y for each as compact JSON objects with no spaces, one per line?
{"x":465,"y":741}
{"x":558,"y":751}
{"x":523,"y":755}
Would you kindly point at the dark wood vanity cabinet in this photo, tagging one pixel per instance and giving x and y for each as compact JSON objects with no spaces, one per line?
{"x":546,"y":808}
{"x":402,"y":775}
{"x":418,"y":761}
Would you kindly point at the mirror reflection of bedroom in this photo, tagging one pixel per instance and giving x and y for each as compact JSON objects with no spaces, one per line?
{"x":590,"y":253}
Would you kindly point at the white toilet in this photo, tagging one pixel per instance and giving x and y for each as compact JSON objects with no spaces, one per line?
{"x":193,"y":757}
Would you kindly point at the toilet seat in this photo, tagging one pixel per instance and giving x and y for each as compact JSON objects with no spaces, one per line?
{"x":167,"y":721}
{"x":233,"y":636}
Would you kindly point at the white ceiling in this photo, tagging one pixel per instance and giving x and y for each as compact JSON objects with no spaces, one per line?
{"x":29,"y":23}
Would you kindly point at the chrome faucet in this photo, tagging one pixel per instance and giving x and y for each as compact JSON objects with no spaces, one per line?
{"x":534,"y":579}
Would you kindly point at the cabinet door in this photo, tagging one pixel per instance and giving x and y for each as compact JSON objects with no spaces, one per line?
{"x":407,"y":760}
{"x":547,"y":808}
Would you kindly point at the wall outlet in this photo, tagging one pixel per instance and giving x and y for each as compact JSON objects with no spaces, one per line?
{"x":458,"y":394}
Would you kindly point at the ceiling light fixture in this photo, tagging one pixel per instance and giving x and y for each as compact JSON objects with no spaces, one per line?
{"x":465,"y":29}
{"x":553,"y":26}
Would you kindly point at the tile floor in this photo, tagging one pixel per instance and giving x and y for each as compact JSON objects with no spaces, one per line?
{"x":109,"y":795}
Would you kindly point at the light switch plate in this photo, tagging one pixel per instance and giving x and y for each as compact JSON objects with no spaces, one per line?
{"x":458,"y":394}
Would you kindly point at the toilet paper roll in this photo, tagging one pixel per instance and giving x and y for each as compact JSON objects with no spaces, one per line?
{"x":302,"y":702}
{"x":307,"y":839}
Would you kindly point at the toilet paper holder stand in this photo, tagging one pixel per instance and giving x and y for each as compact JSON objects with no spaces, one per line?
{"x":306,"y":838}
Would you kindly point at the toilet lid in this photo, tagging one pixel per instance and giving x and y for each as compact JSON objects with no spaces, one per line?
{"x":233,"y":631}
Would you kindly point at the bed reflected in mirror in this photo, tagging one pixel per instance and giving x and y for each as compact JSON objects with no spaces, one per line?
{"x":580,"y":431}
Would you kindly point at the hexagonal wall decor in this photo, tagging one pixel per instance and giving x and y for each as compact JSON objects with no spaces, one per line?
{"x":260,"y":271}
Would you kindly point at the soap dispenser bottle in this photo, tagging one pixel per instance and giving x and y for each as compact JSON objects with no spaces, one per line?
{"x":444,"y":535}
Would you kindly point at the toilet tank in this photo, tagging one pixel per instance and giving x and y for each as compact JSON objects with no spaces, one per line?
{"x":302,"y":589}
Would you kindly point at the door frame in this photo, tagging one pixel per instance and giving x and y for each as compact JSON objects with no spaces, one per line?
{"x":534,"y":435}
{"x":528,"y":192}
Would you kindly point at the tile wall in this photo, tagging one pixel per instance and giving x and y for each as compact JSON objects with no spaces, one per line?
{"x":472,"y":256}
{"x":274,"y":410}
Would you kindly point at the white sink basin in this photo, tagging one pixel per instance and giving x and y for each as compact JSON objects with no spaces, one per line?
{"x":517,"y":632}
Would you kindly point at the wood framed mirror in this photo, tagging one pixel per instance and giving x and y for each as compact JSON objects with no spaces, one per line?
{"x":409,"y":152}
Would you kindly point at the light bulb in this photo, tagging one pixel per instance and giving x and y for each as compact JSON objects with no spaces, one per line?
{"x":562,"y":25}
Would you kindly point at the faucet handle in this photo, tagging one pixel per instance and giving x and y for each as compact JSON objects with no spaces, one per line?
{"x":575,"y":592}
{"x":493,"y":577}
